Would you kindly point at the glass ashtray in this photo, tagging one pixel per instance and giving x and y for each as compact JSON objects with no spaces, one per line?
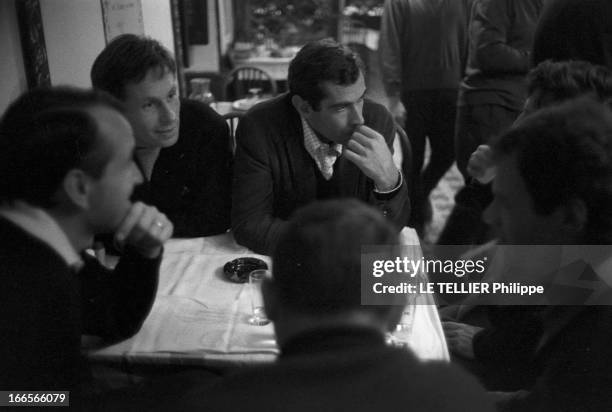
{"x":238,"y":270}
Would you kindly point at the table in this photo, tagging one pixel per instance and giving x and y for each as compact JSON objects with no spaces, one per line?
{"x":200,"y":318}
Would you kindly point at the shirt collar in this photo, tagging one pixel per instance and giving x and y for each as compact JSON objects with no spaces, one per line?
{"x":41,"y":225}
{"x":317,"y":149}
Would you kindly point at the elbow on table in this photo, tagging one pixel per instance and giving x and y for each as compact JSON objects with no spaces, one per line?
{"x":246,"y":235}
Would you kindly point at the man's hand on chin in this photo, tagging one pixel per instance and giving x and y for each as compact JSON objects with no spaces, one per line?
{"x":369,"y":151}
{"x":145,"y":229}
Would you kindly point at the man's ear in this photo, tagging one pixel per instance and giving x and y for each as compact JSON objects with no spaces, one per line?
{"x":77,"y":187}
{"x":301,"y":105}
{"x":270,"y":298}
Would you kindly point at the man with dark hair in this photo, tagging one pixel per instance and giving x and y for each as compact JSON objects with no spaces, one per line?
{"x":549,"y":83}
{"x":66,"y":174}
{"x":554,"y":187}
{"x":182,"y":146}
{"x":333,"y":352}
{"x":555,"y":167}
{"x":320,"y":140}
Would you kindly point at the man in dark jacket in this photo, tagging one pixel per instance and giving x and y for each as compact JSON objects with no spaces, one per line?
{"x":333,"y":352}
{"x":574,"y":30}
{"x":552,"y":188}
{"x":321,"y":140}
{"x":66,"y":174}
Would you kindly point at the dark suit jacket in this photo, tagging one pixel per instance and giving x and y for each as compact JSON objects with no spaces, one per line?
{"x":342,"y":370}
{"x":574,"y":30}
{"x":574,"y":359}
{"x":46,"y":307}
{"x":191,"y":180}
{"x":274,"y":174}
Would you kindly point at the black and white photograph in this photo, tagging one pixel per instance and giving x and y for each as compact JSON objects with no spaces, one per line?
{"x":306,"y":205}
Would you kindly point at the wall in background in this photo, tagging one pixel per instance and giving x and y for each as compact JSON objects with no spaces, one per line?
{"x":206,"y":57}
{"x":74,"y":35}
{"x":158,"y":21}
{"x":12,"y":75}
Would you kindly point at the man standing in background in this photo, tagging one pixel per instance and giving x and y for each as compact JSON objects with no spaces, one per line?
{"x":423,"y":49}
{"x":491,"y":97}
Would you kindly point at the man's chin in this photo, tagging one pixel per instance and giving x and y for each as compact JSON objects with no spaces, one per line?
{"x":167,"y":140}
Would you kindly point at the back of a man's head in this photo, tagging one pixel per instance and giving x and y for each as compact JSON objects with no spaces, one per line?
{"x":318,"y":258}
{"x":564,"y":153}
{"x":127,"y":59}
{"x":44,"y":134}
{"x":322,"y":61}
{"x":560,"y":81}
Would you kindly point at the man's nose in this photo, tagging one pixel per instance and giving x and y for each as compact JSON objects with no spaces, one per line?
{"x":169,"y":113}
{"x":356,"y":118}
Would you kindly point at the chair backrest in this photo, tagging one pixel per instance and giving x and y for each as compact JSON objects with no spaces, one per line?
{"x":232,"y":119}
{"x":353,"y":31}
{"x":241,"y":79}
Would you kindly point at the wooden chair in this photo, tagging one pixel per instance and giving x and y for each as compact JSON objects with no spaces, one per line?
{"x":241,"y":79}
{"x":232,"y":119}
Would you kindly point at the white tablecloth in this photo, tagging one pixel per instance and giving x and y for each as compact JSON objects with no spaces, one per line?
{"x":199,"y":317}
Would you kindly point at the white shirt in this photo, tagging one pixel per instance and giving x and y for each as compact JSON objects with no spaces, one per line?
{"x":323,"y":154}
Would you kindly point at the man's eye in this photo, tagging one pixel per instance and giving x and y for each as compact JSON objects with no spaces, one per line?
{"x":147,"y":106}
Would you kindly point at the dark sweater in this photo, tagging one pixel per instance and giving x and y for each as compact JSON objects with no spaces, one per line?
{"x":342,"y":370}
{"x":191,"y":180}
{"x":46,"y":308}
{"x":423,"y":44}
{"x":274,"y":174}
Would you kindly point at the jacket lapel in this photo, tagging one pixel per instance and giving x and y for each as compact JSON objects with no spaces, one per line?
{"x":301,"y":167}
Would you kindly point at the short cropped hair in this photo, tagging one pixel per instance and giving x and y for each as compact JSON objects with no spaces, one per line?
{"x":44,"y":134}
{"x":559,"y":81}
{"x":318,"y":257}
{"x":127,"y":59}
{"x":564,"y":152}
{"x":318,"y":62}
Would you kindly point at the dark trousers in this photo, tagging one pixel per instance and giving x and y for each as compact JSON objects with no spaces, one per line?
{"x":429,"y":114}
{"x":476,"y":125}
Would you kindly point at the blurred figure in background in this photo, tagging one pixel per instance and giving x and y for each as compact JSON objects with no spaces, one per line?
{"x":574,"y":30}
{"x":548,"y":84}
{"x":423,"y":49}
{"x":491,"y":97}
